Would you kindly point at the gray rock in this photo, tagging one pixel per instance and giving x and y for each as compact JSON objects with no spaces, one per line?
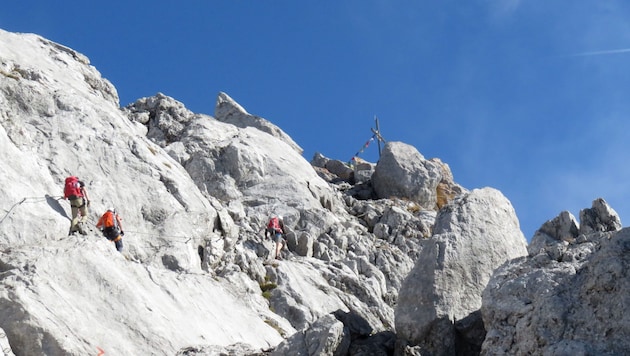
{"x":562,"y":228}
{"x":379,"y":344}
{"x":319,"y":160}
{"x":229,"y":111}
{"x":340,"y":169}
{"x":356,"y":325}
{"x":238,"y":349}
{"x":472,"y":236}
{"x":363,"y":171}
{"x":404,"y":173}
{"x":568,"y":299}
{"x":325,"y":337}
{"x":600,"y":217}
{"x":304,"y":245}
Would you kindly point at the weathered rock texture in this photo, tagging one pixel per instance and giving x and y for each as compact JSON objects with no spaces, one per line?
{"x":403,"y":172}
{"x":195,"y":192}
{"x":565,"y":298}
{"x":64,"y":294}
{"x":195,"y":277}
{"x":472,"y":237}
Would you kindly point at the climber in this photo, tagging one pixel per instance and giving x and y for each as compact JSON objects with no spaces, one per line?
{"x":110,"y":225}
{"x":275,"y":228}
{"x":74,"y":190}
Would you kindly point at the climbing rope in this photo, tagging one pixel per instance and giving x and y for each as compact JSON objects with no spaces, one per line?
{"x":27,"y":200}
{"x":91,"y":220}
{"x":160,"y":235}
{"x":7,"y":350}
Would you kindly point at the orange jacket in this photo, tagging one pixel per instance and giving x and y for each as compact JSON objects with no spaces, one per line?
{"x":107,"y":220}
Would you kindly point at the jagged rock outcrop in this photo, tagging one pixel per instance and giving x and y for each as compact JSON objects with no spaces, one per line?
{"x":565,"y":227}
{"x":354,"y":180}
{"x":473,"y":236}
{"x":599,"y":218}
{"x":565,"y":298}
{"x":338,"y":168}
{"x":229,"y":111}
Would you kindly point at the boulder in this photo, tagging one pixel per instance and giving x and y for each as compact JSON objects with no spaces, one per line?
{"x":473,"y":236}
{"x":325,"y":337}
{"x":363,"y":170}
{"x":340,"y":169}
{"x":403,"y":172}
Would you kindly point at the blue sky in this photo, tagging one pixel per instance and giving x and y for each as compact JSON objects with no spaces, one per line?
{"x":529,"y":97}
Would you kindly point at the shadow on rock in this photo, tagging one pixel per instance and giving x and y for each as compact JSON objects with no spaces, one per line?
{"x":54,"y":203}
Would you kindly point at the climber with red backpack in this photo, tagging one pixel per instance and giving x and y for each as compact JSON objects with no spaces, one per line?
{"x":110,"y":225}
{"x":275,"y":228}
{"x":74,"y":191}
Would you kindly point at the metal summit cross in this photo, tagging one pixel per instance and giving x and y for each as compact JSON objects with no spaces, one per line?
{"x":376,"y":135}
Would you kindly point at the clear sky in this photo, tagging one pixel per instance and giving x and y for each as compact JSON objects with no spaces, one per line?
{"x":529,"y":97}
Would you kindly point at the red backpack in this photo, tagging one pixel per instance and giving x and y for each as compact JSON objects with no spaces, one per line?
{"x":72,"y":189}
{"x":274,"y":225}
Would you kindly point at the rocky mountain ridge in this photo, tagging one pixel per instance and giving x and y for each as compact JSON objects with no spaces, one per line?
{"x":386,"y":258}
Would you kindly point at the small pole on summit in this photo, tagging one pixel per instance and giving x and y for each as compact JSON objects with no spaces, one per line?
{"x":377,"y":133}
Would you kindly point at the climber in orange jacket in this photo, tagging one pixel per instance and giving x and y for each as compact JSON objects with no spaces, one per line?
{"x":110,"y":225}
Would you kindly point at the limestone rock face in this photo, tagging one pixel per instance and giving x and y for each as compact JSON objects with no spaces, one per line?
{"x":473,"y":236}
{"x":565,"y":299}
{"x":403,"y":249}
{"x":194,"y":193}
{"x":568,"y":295}
{"x":63,"y":294}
